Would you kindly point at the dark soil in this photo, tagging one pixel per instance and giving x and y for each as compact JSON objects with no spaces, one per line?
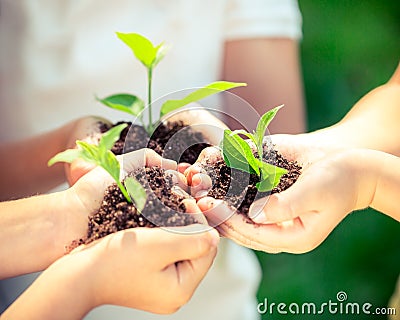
{"x":174,"y":141}
{"x":164,"y":207}
{"x":238,"y":188}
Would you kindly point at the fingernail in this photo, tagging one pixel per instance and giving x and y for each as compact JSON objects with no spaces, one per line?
{"x":180,"y":192}
{"x":168,"y":163}
{"x":201,"y":194}
{"x":256,"y":212}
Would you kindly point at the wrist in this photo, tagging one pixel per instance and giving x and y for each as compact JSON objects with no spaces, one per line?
{"x":64,"y":291}
{"x":362,"y":165}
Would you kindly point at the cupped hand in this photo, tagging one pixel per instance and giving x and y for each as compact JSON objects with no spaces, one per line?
{"x":86,"y":195}
{"x":150,"y":269}
{"x":87,"y":129}
{"x":300,"y":218}
{"x":200,"y":120}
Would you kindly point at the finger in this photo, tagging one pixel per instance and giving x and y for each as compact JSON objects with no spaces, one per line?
{"x":182,"y":167}
{"x":191,"y":171}
{"x":192,"y":208}
{"x":216,"y":211}
{"x":200,"y":182}
{"x":305,"y":195}
{"x":144,"y":157}
{"x":190,"y":273}
{"x":154,"y":159}
{"x":211,"y":154}
{"x":179,"y":243}
{"x":178,"y":179}
{"x":77,"y":169}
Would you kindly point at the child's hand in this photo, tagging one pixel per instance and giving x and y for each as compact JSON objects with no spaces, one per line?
{"x":86,"y":129}
{"x":149,"y":269}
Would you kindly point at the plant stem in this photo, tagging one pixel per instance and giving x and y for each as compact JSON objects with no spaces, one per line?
{"x":123,"y":190}
{"x":260,"y":157}
{"x":149,"y":82}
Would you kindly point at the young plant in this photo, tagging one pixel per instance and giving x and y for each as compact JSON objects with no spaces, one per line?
{"x":150,"y":55}
{"x":102,"y":156}
{"x":238,"y":154}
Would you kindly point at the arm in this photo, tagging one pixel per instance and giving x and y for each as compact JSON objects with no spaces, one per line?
{"x":40,"y":227}
{"x":272,"y":71}
{"x":298,"y":219}
{"x":23,"y":166}
{"x":158,"y":271}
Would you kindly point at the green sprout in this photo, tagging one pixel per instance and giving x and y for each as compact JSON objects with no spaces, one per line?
{"x":150,"y":55}
{"x":238,"y":154}
{"x":102,"y":156}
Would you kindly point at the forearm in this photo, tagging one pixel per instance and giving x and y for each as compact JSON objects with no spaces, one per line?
{"x":35,"y":231}
{"x":24,"y":169}
{"x":272,"y":71}
{"x":379,"y":181}
{"x":63,"y":291}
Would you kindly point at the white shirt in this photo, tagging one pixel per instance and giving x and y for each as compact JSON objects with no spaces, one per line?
{"x":55,"y":55}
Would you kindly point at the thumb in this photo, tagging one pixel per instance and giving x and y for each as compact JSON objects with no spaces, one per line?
{"x":182,"y":243}
{"x":305,"y":195}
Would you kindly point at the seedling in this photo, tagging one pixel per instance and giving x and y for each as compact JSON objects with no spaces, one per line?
{"x":150,"y":55}
{"x":238,"y":154}
{"x":102,"y":156}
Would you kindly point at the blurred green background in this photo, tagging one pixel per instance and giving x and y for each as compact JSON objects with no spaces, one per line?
{"x":348,"y":48}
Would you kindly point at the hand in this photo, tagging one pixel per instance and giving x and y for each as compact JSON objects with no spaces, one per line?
{"x":158,"y":269}
{"x":86,"y":129}
{"x":201,"y":120}
{"x":145,"y":268}
{"x":280,"y":227}
{"x":86,"y":195}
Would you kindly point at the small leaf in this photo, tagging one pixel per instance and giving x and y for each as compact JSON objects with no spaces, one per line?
{"x":111,"y":136}
{"x":162,"y":50}
{"x":262,"y":125}
{"x":245,"y":133}
{"x":90,"y":152}
{"x":124,"y":102}
{"x":136,"y":192}
{"x":142,"y":48}
{"x":199,"y":94}
{"x":68,"y":156}
{"x":270,"y":176}
{"x":238,"y":154}
{"x":109,"y":162}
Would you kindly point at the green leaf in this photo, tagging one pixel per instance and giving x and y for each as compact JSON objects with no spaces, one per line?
{"x":199,"y":94}
{"x":137,"y":192}
{"x":270,"y":176}
{"x":90,"y":152}
{"x":262,"y":125}
{"x":162,"y":50}
{"x":68,"y":156}
{"x":111,"y":136}
{"x":124,"y":102}
{"x":142,"y":48}
{"x":245,"y":133}
{"x":238,"y":154}
{"x":109,"y":162}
